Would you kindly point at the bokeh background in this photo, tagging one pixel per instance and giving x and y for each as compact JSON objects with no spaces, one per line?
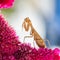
{"x":45,"y":17}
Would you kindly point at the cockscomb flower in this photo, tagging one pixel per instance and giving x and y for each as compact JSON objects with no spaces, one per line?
{"x":6,"y":3}
{"x":42,"y":54}
{"x":56,"y":54}
{"x":8,"y":38}
{"x":24,"y":52}
{"x":12,"y":49}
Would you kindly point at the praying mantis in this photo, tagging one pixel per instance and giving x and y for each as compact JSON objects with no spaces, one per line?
{"x":26,"y":25}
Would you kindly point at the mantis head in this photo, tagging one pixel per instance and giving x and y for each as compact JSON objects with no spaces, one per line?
{"x":26,"y":24}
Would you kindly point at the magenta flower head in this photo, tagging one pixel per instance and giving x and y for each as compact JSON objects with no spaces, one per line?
{"x":8,"y":38}
{"x":56,"y":54}
{"x":6,"y":3}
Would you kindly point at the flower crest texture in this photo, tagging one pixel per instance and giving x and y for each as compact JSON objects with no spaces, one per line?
{"x":6,"y":3}
{"x":8,"y":39}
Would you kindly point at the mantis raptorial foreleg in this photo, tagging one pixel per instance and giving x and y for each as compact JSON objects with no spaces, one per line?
{"x":28,"y":37}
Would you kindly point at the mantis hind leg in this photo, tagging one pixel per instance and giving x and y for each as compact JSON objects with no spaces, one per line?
{"x":47,"y":41}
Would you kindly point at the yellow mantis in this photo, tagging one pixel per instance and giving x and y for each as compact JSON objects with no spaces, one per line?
{"x":26,"y":25}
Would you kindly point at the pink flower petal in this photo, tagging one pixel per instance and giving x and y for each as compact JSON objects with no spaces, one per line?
{"x":6,"y":3}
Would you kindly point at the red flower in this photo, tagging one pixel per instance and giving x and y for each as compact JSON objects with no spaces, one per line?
{"x":6,"y":3}
{"x":8,"y":38}
{"x":56,"y":54}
